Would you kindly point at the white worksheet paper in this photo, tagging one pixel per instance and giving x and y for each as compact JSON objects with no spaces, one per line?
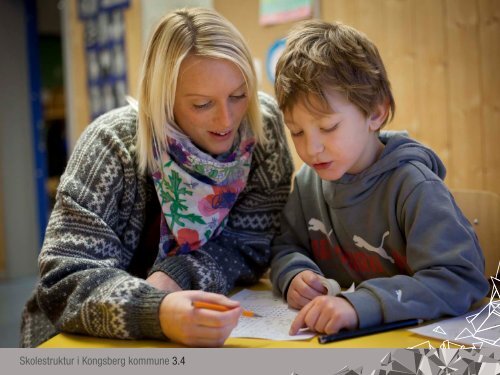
{"x":276,"y":318}
{"x":477,"y":328}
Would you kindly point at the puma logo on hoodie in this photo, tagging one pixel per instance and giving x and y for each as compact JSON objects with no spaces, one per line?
{"x":359,"y":242}
{"x":318,"y":226}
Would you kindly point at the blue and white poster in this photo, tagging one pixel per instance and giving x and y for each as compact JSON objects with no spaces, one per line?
{"x":105,"y":53}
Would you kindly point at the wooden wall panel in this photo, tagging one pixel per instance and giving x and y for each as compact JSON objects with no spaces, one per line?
{"x":259,"y":38}
{"x":464,"y":84}
{"x":399,"y":59}
{"x":396,"y":48}
{"x":359,"y":14}
{"x":133,"y":46}
{"x":245,"y":15}
{"x":482,"y":209}
{"x":348,"y":11}
{"x":374,"y":27}
{"x":79,"y":102}
{"x":442,"y":58}
{"x":489,"y":16}
{"x":431,"y":88}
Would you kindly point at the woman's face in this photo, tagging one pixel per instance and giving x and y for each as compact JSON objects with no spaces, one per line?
{"x":210,"y":102}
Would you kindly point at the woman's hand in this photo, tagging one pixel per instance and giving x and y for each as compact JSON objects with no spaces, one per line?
{"x":326,"y":314}
{"x":183,"y":323}
{"x":304,"y":287}
{"x":163,"y":282}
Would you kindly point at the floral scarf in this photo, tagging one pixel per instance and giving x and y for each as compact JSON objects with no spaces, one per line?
{"x":197,"y":191}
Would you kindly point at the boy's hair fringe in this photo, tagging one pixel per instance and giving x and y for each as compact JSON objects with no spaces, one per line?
{"x":319,"y":56}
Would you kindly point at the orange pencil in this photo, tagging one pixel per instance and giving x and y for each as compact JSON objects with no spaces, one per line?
{"x":214,"y":306}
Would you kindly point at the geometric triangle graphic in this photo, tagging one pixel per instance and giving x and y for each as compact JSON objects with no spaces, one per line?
{"x":434,"y":362}
{"x":425,"y":366}
{"x":470,"y":318}
{"x":438,"y":329}
{"x":478,"y":345}
{"x":342,"y":371}
{"x":494,"y":308}
{"x":386,"y":360}
{"x":489,"y":368}
{"x":464,"y":334}
{"x":423,"y":345}
{"x":405,"y":361}
{"x":495,"y":292}
{"x":445,"y":344}
{"x":478,"y":319}
{"x":448,"y":356}
{"x":491,"y":321}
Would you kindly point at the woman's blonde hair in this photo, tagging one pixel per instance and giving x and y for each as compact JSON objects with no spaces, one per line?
{"x":199,"y":31}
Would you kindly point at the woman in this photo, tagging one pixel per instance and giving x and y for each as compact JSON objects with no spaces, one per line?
{"x":164,"y":202}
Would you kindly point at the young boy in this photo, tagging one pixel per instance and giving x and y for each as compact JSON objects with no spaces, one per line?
{"x":366,"y":210}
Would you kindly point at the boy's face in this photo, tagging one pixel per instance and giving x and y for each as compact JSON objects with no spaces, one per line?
{"x":335,"y":143}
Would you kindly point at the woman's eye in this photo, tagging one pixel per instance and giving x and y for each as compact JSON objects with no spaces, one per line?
{"x":201,"y":106}
{"x":296,"y":134}
{"x":238,"y":97}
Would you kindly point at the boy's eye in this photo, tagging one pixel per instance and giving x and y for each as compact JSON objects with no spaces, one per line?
{"x":329,"y":129}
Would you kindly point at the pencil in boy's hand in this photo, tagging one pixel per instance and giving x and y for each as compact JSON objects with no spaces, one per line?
{"x":216,"y":307}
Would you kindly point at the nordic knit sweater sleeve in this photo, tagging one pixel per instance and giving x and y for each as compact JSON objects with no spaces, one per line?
{"x":92,"y":234}
{"x":241,"y":253}
{"x":95,"y":229}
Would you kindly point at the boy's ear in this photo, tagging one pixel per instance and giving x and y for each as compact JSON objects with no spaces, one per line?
{"x":378,"y":116}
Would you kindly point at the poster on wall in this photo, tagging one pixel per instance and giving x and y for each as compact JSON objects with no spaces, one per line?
{"x":153,"y":10}
{"x":273,"y":54}
{"x":104,"y":26}
{"x":273,"y":12}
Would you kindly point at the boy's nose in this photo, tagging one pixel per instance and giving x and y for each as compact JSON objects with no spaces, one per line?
{"x":315,"y":146}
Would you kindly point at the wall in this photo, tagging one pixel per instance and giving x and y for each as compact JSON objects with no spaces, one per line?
{"x":78,"y":116}
{"x":442,"y":57}
{"x":139,"y":19}
{"x":18,"y":217}
{"x":2,"y":234}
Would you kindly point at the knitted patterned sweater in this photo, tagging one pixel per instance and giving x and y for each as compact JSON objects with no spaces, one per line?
{"x":93,"y":237}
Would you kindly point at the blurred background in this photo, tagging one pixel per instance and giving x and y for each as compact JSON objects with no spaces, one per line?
{"x":64,"y":62}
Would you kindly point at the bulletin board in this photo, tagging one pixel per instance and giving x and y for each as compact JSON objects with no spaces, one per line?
{"x":105,"y":55}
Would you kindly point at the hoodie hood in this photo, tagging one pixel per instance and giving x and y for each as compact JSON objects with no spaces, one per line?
{"x":399,"y":150}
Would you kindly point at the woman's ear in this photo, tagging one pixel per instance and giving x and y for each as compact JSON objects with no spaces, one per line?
{"x":378,"y":116}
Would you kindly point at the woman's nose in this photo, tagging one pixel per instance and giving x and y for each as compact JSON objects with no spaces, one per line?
{"x":224,"y":117}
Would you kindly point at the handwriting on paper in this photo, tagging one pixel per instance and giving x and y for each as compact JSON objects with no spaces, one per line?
{"x":276,"y":318}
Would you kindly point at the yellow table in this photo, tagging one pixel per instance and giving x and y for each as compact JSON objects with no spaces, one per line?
{"x":400,"y":338}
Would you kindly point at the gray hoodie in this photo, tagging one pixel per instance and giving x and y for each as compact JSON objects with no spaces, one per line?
{"x":393,"y":230}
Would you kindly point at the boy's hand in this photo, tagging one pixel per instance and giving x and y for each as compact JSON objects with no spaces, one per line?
{"x":326,"y":314}
{"x":305,"y":286}
{"x":185,"y":324}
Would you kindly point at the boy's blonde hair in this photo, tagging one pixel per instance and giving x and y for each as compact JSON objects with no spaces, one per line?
{"x":198,"y":31}
{"x":319,"y":56}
